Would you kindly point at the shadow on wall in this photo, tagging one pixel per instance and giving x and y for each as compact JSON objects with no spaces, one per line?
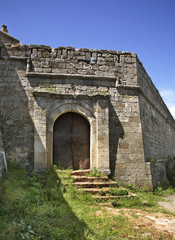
{"x":17,"y":125}
{"x":115,"y":132}
{"x":163,"y":173}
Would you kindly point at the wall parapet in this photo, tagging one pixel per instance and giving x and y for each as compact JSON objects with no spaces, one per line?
{"x":68,"y":60}
{"x":151,"y":93}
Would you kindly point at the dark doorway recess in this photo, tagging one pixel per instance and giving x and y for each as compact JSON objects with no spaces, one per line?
{"x":71,"y":141}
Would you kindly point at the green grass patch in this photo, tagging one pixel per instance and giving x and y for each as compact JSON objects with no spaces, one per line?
{"x":118,"y":192}
{"x":94,"y":173}
{"x":42,"y":206}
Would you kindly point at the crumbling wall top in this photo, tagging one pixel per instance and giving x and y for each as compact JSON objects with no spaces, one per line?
{"x":5,"y":37}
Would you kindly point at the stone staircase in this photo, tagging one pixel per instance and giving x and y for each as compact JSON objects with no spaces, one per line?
{"x":99,"y":187}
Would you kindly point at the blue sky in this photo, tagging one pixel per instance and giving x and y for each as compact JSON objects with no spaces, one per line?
{"x":146,"y":27}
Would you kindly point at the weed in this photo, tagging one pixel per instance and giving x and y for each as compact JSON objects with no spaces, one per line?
{"x":72,"y":85}
{"x":102,"y":193}
{"x":127,"y":202}
{"x":152,"y":160}
{"x":130,"y":187}
{"x":160,"y":191}
{"x":94,"y":173}
{"x":49,"y":87}
{"x":102,"y":93}
{"x":23,"y":231}
{"x":118,"y":192}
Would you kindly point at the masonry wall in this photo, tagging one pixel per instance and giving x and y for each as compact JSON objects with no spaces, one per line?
{"x":15,"y":110}
{"x":26,"y":71}
{"x":34,"y":68}
{"x":158,"y":125}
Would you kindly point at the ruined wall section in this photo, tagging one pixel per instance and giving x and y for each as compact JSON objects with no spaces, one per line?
{"x":158,"y":125}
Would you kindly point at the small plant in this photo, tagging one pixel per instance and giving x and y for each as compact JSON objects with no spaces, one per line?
{"x":165,"y":160}
{"x":102,"y":92}
{"x":49,"y":88}
{"x":94,"y":173}
{"x":164,"y":188}
{"x":127,"y":203}
{"x":152,"y":160}
{"x":118,"y":192}
{"x":72,"y":85}
{"x":24,"y":232}
{"x":102,"y":193}
{"x":130,"y":187}
{"x":159,"y":191}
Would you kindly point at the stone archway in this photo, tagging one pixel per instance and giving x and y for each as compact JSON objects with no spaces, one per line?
{"x":71,"y":141}
{"x":57,"y":111}
{"x":94,"y":109}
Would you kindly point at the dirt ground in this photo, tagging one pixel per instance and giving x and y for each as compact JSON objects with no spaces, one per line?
{"x":159,"y":222}
{"x":169,"y":204}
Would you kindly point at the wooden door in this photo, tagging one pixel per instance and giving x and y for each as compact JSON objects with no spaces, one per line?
{"x":71,"y":141}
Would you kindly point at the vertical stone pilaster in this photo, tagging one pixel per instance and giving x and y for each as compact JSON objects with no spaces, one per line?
{"x":102,"y":136}
{"x":40,"y":161}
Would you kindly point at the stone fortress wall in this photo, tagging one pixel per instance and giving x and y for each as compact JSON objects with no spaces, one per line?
{"x":158,"y":125}
{"x":110,"y":88}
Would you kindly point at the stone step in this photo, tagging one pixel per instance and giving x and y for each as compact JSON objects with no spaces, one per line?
{"x":106,"y":204}
{"x":103,"y":197}
{"x":95,"y":184}
{"x":89,"y":179}
{"x":111,"y":197}
{"x":80,"y":172}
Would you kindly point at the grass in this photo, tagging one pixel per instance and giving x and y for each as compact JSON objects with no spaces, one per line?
{"x":40,"y":206}
{"x":94,"y":173}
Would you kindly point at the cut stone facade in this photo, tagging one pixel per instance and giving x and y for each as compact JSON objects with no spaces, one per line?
{"x":129,"y":122}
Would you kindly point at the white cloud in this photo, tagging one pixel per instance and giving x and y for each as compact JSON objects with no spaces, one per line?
{"x":168,"y":96}
{"x":172,"y":110}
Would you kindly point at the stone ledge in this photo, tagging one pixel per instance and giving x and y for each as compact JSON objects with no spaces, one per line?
{"x":13,"y":58}
{"x":75,"y":76}
{"x":134,"y":87}
{"x":69,"y":96}
{"x":11,"y":39}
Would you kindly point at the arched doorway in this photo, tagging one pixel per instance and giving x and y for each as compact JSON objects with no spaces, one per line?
{"x":71,"y":141}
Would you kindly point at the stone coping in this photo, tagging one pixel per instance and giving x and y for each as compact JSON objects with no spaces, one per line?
{"x":6,"y":35}
{"x":75,"y":76}
{"x":70,"y":96}
{"x":13,"y":58}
